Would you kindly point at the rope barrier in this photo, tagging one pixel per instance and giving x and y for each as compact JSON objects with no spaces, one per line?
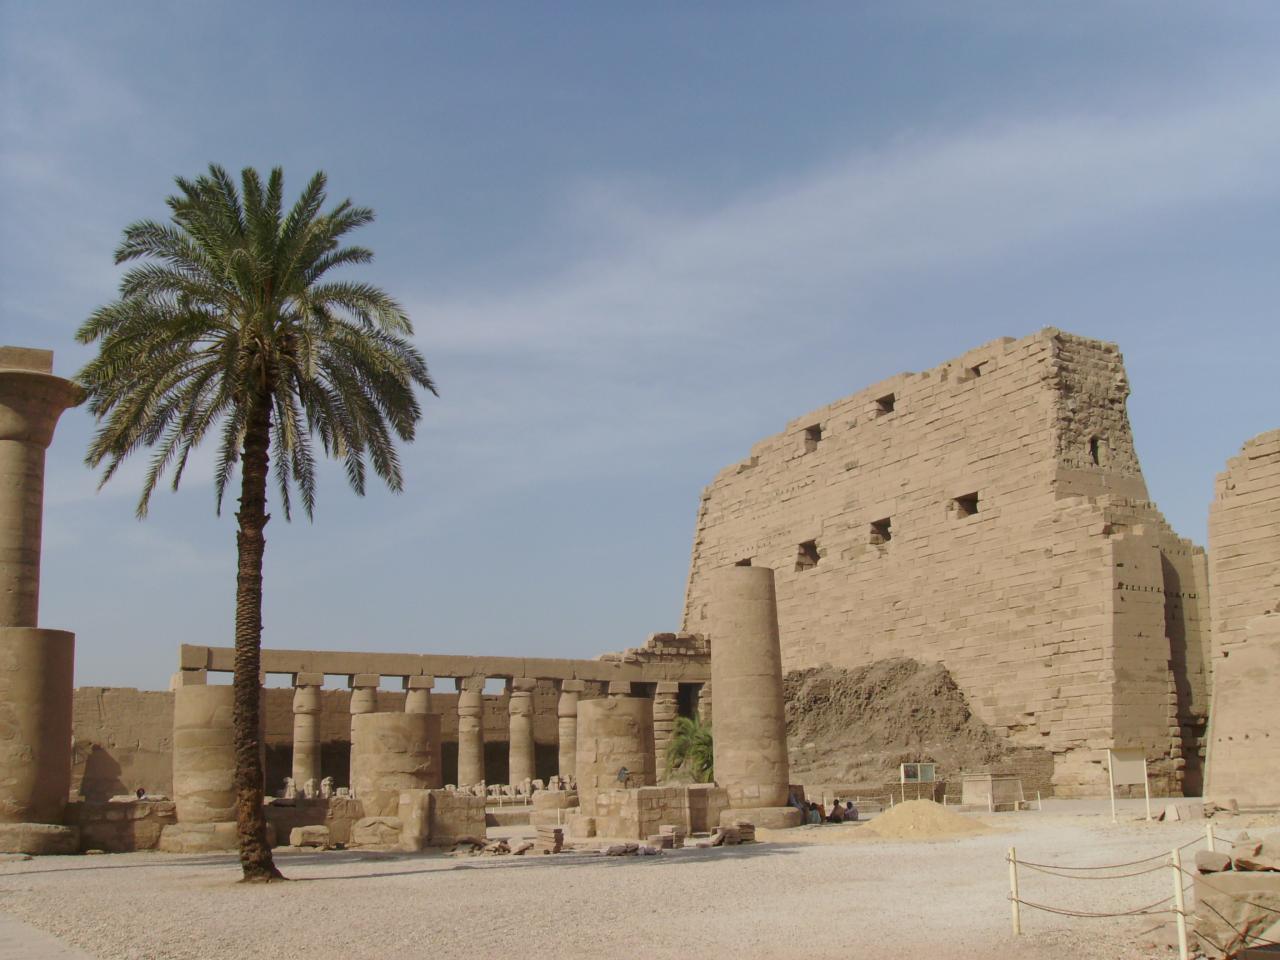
{"x":1062,"y":911}
{"x":1077,"y":876}
{"x":1108,"y":866}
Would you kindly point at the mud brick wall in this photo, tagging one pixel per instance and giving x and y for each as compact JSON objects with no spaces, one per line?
{"x":990,"y":514}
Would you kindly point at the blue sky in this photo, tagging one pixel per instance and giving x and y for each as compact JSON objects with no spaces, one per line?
{"x":635,"y":238}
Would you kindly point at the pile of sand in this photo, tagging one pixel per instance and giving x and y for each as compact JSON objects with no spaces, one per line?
{"x":921,"y":820}
{"x":856,"y":726}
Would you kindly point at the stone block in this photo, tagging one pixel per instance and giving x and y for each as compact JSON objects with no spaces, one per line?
{"x":1231,"y":907}
{"x":199,"y":838}
{"x":39,"y":839}
{"x":377,"y":832}
{"x":312,"y":836}
{"x":1212,"y":861}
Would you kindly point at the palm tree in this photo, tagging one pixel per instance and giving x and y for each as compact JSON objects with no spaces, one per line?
{"x":229,"y":326}
{"x":690,"y":750}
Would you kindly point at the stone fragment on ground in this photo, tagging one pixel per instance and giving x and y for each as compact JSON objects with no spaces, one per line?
{"x":311,"y":836}
{"x":1212,"y":861}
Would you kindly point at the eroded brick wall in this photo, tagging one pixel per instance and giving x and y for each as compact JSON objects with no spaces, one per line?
{"x":990,"y":514}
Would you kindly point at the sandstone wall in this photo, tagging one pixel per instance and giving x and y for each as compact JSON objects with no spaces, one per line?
{"x":990,"y":514}
{"x":1244,"y":552}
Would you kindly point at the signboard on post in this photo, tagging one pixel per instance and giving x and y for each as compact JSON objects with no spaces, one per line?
{"x":1128,"y":767}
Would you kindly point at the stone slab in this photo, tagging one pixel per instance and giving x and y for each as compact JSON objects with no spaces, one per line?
{"x":39,"y":839}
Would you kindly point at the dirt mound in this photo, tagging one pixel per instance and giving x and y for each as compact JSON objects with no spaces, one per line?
{"x":855,"y":726}
{"x":921,"y":820}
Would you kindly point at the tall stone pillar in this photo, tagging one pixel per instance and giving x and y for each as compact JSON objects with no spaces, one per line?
{"x":418,"y":700}
{"x":666,"y":707}
{"x":364,"y":699}
{"x":746,"y":670}
{"x":704,"y":704}
{"x":470,"y":731}
{"x":306,"y":728}
{"x":521,"y":765}
{"x":36,"y":666}
{"x":567,"y":716}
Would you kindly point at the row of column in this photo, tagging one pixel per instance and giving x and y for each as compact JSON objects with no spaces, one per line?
{"x":364,"y":692}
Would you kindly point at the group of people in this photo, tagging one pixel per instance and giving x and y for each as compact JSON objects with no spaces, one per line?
{"x":816,"y":813}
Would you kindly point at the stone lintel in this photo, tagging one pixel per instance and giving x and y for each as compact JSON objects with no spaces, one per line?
{"x":189,"y":678}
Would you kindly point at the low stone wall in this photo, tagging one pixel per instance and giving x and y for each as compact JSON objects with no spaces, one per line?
{"x":121,"y":826}
{"x":639,"y":812}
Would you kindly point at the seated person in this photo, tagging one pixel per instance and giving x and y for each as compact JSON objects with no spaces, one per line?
{"x":850,"y":812}
{"x":815,"y":815}
{"x":837,"y":813}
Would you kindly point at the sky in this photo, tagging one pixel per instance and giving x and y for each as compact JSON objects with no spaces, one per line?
{"x":633,"y":240}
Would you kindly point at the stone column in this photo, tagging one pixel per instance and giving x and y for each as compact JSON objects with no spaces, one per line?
{"x":418,"y":700}
{"x":470,"y":731}
{"x":704,"y":704}
{"x":306,"y":729}
{"x":204,"y":753}
{"x":521,"y":765}
{"x":364,"y":699}
{"x":614,"y":732}
{"x":36,"y":666}
{"x":567,"y":714}
{"x":418,"y":694}
{"x":391,"y":752}
{"x":666,"y":707}
{"x":746,"y":669}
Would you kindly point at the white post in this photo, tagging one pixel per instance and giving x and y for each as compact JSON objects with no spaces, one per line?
{"x":1039,"y":802}
{"x":1013,"y":893}
{"x":1180,"y":906}
{"x":1208,"y":837}
{"x":1111,"y":782}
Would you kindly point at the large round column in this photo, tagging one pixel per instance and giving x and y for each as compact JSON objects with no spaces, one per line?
{"x":521,"y":766}
{"x":567,"y":722}
{"x":36,"y":666}
{"x":750,"y":719}
{"x":418,"y":700}
{"x":391,"y":752}
{"x":471,"y":731}
{"x":613,"y":732}
{"x":204,"y":754}
{"x":306,"y":729}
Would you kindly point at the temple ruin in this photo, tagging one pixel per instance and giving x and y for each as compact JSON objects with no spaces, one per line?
{"x":990,"y":514}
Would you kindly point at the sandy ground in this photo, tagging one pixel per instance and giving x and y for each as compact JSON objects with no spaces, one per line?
{"x":816,"y":892}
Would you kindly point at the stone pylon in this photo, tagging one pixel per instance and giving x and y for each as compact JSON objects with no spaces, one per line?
{"x":36,"y":666}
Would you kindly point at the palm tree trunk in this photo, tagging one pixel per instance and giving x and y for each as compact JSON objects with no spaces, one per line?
{"x":251,"y":824}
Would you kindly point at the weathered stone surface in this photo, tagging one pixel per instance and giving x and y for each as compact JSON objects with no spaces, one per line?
{"x":381,"y":832}
{"x":453,"y":816}
{"x":1212,"y":861}
{"x":204,"y":756}
{"x":35,"y":711}
{"x":1231,"y":904}
{"x":391,"y":752}
{"x":1244,"y":556}
{"x":978,"y":514}
{"x":199,"y":838}
{"x":312,"y":836}
{"x":613,"y":732}
{"x":39,"y":839}
{"x":121,"y":827}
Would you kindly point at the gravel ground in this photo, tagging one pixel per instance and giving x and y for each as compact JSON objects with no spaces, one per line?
{"x":825,"y":893}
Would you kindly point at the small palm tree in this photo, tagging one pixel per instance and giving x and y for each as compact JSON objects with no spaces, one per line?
{"x":230,"y":327}
{"x":690,"y":750}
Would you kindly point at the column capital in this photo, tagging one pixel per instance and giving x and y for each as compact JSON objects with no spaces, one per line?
{"x":419,"y":683}
{"x":619,"y":688}
{"x":189,"y":678}
{"x":470,"y":684}
{"x":572,"y":686}
{"x":667,"y":687}
{"x":522,"y":684}
{"x":357,"y":680}
{"x":308,"y":679}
